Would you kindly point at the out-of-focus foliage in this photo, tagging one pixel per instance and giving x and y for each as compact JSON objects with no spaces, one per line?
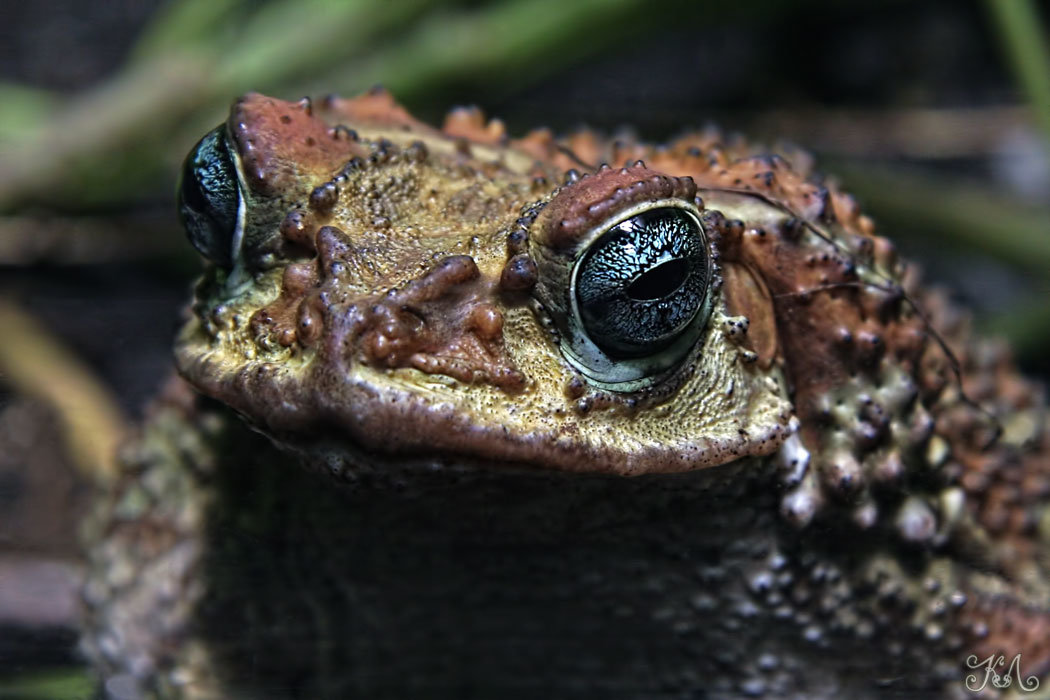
{"x":117,"y":140}
{"x":86,"y":178}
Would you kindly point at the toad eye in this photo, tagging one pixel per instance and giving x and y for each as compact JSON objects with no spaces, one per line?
{"x":639,"y":297}
{"x":642,"y":282}
{"x":209,"y":198}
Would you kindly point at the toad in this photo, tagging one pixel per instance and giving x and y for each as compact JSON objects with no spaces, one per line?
{"x":578,"y":416}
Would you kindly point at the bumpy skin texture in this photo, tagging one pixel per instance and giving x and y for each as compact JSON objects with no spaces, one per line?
{"x":837,"y":492}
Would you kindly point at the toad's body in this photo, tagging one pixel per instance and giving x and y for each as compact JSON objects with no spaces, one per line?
{"x":480,"y":338}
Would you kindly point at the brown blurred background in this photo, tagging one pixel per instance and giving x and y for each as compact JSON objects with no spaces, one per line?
{"x":936,"y":114}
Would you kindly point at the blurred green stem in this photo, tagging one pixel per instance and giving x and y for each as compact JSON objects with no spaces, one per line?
{"x":151,"y":96}
{"x":67,"y":683}
{"x":36,"y":363}
{"x":966,"y":215}
{"x":22,"y":108}
{"x":530,"y":37}
{"x":1026,"y":326}
{"x":1023,"y":37}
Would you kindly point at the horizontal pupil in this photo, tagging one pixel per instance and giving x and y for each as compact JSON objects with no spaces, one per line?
{"x":660,"y":281}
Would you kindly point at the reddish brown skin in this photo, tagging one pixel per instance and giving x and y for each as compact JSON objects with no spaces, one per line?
{"x":747,"y":295}
{"x":830,"y":324}
{"x":271,"y":160}
{"x":377,"y":106}
{"x":593,"y":199}
{"x":469,"y":123}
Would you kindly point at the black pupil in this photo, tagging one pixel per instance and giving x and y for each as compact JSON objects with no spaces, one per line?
{"x":642,"y":282}
{"x":659,"y":281}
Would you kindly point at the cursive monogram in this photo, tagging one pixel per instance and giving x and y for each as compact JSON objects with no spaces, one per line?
{"x":998,"y":680}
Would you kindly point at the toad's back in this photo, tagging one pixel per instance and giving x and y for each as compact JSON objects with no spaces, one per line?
{"x":479,"y":338}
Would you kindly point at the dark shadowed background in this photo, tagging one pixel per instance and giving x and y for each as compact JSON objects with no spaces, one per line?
{"x":935,"y":114}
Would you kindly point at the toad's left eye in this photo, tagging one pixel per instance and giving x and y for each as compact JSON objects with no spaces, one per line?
{"x":640,"y":285}
{"x":209,"y":199}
